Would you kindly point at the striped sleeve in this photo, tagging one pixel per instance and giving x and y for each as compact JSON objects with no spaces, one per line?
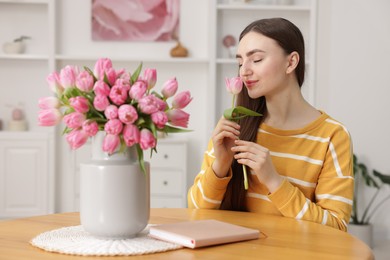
{"x":333,"y":196}
{"x":208,"y":190}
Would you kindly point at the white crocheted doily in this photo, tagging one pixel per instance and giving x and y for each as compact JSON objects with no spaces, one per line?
{"x":75,"y":241}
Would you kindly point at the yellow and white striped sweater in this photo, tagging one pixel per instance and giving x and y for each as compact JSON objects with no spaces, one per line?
{"x":317,"y":164}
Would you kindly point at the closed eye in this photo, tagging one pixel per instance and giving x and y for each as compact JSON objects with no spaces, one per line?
{"x":255,"y":61}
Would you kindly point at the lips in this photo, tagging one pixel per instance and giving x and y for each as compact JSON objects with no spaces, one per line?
{"x":250,"y":83}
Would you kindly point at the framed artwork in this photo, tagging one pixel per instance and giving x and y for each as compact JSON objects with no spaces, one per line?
{"x":135,"y":20}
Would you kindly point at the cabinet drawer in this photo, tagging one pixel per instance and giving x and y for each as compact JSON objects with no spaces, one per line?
{"x":167,"y":182}
{"x":169,"y":155}
{"x":166,"y":202}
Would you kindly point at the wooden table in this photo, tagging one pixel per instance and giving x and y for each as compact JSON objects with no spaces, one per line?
{"x":286,"y":238}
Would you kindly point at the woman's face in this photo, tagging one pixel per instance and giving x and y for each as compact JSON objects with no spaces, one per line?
{"x":263,"y":64}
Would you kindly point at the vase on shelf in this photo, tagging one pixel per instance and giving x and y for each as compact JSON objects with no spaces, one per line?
{"x":114,"y":193}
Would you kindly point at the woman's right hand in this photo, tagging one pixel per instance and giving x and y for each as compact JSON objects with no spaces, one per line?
{"x":223,"y":137}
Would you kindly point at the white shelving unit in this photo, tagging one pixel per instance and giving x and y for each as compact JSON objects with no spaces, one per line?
{"x":230,"y":18}
{"x":26,"y":158}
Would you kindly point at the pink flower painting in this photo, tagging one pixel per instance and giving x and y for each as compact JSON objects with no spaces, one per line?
{"x":135,"y":20}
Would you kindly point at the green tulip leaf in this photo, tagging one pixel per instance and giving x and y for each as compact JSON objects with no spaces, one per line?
{"x":239,"y":112}
{"x":172,"y":129}
{"x":136,"y":73}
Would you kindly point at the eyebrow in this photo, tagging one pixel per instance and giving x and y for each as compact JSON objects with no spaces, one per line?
{"x":249,"y":53}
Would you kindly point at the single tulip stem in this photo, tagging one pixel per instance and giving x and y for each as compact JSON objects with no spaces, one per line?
{"x":233,"y":100}
{"x":245,"y":177}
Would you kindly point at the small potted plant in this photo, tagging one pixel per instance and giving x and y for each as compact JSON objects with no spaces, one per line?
{"x":17,"y":46}
{"x":360,"y":223}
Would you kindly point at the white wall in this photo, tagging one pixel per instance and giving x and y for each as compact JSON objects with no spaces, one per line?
{"x":353,"y":80}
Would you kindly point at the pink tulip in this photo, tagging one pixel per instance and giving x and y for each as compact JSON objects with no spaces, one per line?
{"x":111,"y":143}
{"x":169,"y":88}
{"x":127,"y":114}
{"x":101,"y":88}
{"x":113,"y":127}
{"x":131,"y":134}
{"x":101,"y":103}
{"x":160,"y":119}
{"x":76,"y":138}
{"x":111,"y":112}
{"x":74,"y":120}
{"x":178,"y":117}
{"x":147,"y":139}
{"x":101,"y":66}
{"x":148,"y":104}
{"x":49,"y":117}
{"x":68,"y":76}
{"x":84,"y":81}
{"x":150,"y":76}
{"x":119,"y":92}
{"x":161,"y":104}
{"x":138,"y":90}
{"x":80,"y":104}
{"x":49,"y":102}
{"x":233,"y":85}
{"x":90,"y":127}
{"x":54,"y":83}
{"x":181,"y":100}
{"x":111,"y":76}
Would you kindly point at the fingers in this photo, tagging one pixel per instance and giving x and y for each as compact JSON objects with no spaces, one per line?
{"x":249,"y":153}
{"x":226,"y":128}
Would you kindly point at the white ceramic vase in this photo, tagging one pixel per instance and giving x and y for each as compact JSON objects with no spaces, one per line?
{"x":114,"y":193}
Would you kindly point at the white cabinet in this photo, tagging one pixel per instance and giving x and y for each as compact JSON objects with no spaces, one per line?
{"x":168,"y":174}
{"x":231,"y":17}
{"x":26,"y":175}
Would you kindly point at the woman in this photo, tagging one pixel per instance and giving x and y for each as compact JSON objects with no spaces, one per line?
{"x":299,"y":159}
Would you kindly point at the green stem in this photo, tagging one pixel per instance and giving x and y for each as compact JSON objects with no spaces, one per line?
{"x":233,"y":100}
{"x":245,"y":177}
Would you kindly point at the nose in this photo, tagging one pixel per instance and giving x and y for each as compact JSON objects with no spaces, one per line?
{"x":245,"y":69}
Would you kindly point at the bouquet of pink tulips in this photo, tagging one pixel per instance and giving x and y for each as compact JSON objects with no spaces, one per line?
{"x":119,"y":103}
{"x":234,"y":86}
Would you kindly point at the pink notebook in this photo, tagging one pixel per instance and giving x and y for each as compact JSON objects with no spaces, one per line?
{"x":200,"y":233}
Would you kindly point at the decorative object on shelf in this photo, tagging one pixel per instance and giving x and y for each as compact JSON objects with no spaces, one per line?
{"x":17,"y":122}
{"x":135,"y":20}
{"x":234,"y":86}
{"x":179,"y":50}
{"x":125,"y":115}
{"x":17,"y":46}
{"x":360,"y":225}
{"x":229,"y":42}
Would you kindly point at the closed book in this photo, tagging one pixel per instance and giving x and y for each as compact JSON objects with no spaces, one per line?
{"x":200,"y":233}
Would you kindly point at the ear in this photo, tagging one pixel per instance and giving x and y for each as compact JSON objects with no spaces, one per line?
{"x":293,"y":60}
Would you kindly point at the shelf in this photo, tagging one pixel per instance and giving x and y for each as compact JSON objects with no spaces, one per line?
{"x":25,"y":1}
{"x":23,"y":57}
{"x":253,"y":7}
{"x":23,"y":134}
{"x":113,"y":58}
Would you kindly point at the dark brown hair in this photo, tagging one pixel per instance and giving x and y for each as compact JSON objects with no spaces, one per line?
{"x":290,"y":39}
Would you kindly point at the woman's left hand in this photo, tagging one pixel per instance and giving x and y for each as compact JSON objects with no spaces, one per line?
{"x":258,"y":159}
